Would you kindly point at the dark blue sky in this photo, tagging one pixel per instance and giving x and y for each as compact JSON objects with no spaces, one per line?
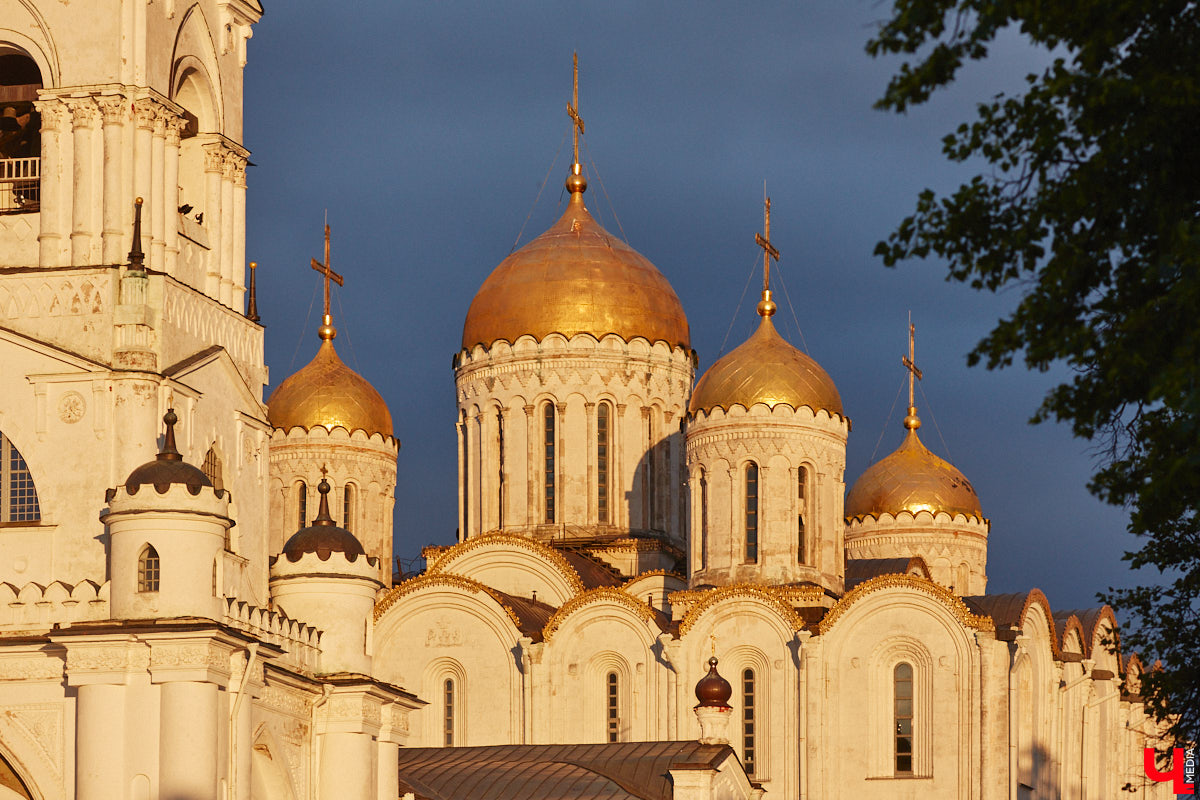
{"x":426,"y":129}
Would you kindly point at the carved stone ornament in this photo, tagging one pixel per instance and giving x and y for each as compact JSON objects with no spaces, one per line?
{"x":112,"y":109}
{"x":43,"y":724}
{"x":71,"y":407}
{"x":84,"y":113}
{"x":146,"y":113}
{"x":54,"y":115}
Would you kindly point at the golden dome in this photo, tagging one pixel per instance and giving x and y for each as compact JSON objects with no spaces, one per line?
{"x":912,"y":479}
{"x":327,"y":392}
{"x":575,"y":278}
{"x":766,"y":369}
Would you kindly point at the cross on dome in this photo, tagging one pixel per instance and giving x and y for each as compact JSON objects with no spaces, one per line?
{"x":912,"y":421}
{"x":576,"y":183}
{"x":767,"y":307}
{"x":327,"y":331}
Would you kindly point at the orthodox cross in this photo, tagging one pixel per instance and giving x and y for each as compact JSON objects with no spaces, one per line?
{"x":573,"y":109}
{"x":325,"y":270}
{"x":764,"y":241}
{"x":909,"y":361}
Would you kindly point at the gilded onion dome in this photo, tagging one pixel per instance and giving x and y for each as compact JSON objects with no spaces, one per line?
{"x":766,"y":369}
{"x":576,"y":278}
{"x":327,"y":392}
{"x":912,"y":479}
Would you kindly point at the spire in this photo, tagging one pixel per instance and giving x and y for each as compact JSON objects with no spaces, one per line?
{"x":576,"y":183}
{"x":323,"y":519}
{"x":252,"y":304}
{"x":169,"y":452}
{"x":327,"y":331}
{"x":767,"y":306}
{"x":137,"y":258}
{"x":912,"y":421}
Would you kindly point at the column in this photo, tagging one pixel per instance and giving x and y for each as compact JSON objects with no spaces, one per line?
{"x":161,"y":193}
{"x":389,"y":774}
{"x":117,"y":212}
{"x":51,"y":237}
{"x":460,"y":428}
{"x":100,"y":742}
{"x":214,"y":164}
{"x":84,"y":116}
{"x":225,"y":220}
{"x":175,"y":125}
{"x":145,"y":112}
{"x":347,"y":773}
{"x":187,"y":740}
{"x":470,"y":478}
{"x":239,"y":235}
{"x":590,"y":481}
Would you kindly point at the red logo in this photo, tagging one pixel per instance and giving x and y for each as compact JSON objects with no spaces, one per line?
{"x":1183,"y":769}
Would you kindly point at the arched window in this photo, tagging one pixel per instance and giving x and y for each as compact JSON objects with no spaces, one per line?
{"x":751,"y":512}
{"x":466,"y":477}
{"x":212,"y":468}
{"x":348,"y":509}
{"x":20,"y":133}
{"x":703,"y":520}
{"x":902,"y":681}
{"x":603,"y":422}
{"x":302,"y":503}
{"x":500,"y":468}
{"x":613,"y":708}
{"x":748,"y":721}
{"x":18,"y":495}
{"x":215,"y":593}
{"x":149,"y":570}
{"x":801,"y":514}
{"x":448,"y":712}
{"x":548,"y":428}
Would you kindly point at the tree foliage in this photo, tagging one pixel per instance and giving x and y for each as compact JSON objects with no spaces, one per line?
{"x":1089,"y":205}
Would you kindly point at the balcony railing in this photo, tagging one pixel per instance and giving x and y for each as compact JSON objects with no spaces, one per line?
{"x":20,"y":185}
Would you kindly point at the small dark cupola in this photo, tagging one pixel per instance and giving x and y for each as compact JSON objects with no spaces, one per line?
{"x":323,"y":536}
{"x":713,"y":691}
{"x":168,"y":467}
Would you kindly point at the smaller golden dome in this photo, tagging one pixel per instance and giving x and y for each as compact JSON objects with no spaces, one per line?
{"x":912,"y":479}
{"x":766,"y":369}
{"x":327,"y":392}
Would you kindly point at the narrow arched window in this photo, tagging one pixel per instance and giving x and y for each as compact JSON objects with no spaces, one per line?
{"x":613,"y":708}
{"x":703,"y":520}
{"x":18,"y":495}
{"x":212,"y":468}
{"x":748,"y":721}
{"x":902,"y":681}
{"x":302,"y":504}
{"x":149,"y":570}
{"x":752,"y":512}
{"x":801,"y":514}
{"x":500,"y":468}
{"x":603,"y":423}
{"x":214,"y":579}
{"x":348,"y":506}
{"x":448,"y":712}
{"x":652,"y":454}
{"x":548,"y":458}
{"x":466,"y":477}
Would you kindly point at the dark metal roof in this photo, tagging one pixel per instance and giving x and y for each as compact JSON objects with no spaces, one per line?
{"x":859,"y":570}
{"x":592,"y":572}
{"x":622,"y":771}
{"x":533,"y":614}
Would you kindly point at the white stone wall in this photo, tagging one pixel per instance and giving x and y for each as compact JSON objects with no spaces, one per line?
{"x":646,"y":387}
{"x":780,"y":441}
{"x":954,"y":547}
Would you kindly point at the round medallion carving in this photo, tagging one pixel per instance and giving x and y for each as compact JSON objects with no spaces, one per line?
{"x":71,"y":407}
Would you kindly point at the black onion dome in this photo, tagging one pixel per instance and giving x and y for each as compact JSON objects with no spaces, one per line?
{"x":168,"y":467}
{"x":713,"y":691}
{"x":323,"y":537}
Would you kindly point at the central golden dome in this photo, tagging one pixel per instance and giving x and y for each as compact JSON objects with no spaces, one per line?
{"x":575,"y":278}
{"x":912,"y":479}
{"x":326,"y":392}
{"x":766,"y":369}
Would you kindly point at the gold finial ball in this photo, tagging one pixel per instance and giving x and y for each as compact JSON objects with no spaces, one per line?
{"x":576,"y":183}
{"x":766,"y":306}
{"x":137,"y":202}
{"x":253,"y":265}
{"x":327,"y":332}
{"x":912,"y":421}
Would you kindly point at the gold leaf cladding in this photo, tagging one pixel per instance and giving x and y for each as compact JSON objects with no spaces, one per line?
{"x":953,"y":602}
{"x":598,"y":595}
{"x":776,"y":598}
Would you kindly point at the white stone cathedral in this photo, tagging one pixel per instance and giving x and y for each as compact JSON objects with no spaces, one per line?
{"x":196,"y":591}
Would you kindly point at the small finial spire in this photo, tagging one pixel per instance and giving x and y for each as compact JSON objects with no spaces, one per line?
{"x":766,"y":306}
{"x":576,"y":183}
{"x":323,"y":517}
{"x":137,"y":258}
{"x":252,"y":304}
{"x":912,"y":421}
{"x":169,"y":452}
{"x":327,"y":331}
